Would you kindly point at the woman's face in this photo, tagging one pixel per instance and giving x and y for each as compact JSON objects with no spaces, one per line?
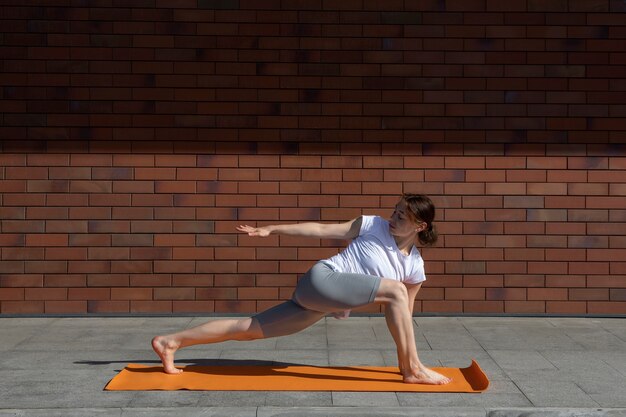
{"x":401,"y":225}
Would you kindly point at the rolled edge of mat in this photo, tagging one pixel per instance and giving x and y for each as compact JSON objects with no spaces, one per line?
{"x":476,"y":377}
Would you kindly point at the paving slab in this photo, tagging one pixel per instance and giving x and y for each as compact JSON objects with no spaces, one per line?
{"x":512,"y":360}
{"x":364,"y":399}
{"x":370,"y":411}
{"x":555,"y":393}
{"x":299,"y":399}
{"x":558,"y":412}
{"x":451,"y":340}
{"x":355,"y":357}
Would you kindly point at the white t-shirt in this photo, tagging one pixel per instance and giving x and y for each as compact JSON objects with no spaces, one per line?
{"x":374,"y":252}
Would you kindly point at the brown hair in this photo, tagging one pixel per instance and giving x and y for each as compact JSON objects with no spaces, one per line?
{"x":420,"y":208}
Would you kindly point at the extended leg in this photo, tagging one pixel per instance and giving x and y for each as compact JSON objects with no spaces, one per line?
{"x":210,"y":332}
{"x":394,"y":296}
{"x":286,"y":318}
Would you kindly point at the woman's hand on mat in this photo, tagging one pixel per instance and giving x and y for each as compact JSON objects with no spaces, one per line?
{"x":254,"y":231}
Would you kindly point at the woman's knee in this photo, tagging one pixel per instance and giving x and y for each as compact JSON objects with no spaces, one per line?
{"x":248,"y":329}
{"x":392,"y":291}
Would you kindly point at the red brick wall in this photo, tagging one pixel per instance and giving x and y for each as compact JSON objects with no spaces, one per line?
{"x":134,"y":140}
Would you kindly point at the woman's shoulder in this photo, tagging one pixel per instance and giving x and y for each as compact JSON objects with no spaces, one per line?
{"x":376,"y":220}
{"x":381,"y":226}
{"x":372,"y":223}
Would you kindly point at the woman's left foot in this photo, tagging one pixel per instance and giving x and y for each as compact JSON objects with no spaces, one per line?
{"x":423,"y":375}
{"x":166,"y":349}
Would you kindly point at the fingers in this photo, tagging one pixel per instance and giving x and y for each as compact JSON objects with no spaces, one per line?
{"x":251,"y":231}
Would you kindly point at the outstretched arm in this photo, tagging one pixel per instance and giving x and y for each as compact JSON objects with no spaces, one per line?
{"x":347,"y":230}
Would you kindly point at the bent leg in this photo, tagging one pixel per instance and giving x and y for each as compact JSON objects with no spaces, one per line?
{"x":278,"y":321}
{"x":394,"y":296}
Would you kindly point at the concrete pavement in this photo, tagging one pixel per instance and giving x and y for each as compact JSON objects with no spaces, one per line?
{"x":537,"y":367}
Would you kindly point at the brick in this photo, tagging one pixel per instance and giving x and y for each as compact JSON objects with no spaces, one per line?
{"x":617,"y":294}
{"x":21,"y":280}
{"x":107,"y":307}
{"x":465,"y":294}
{"x":506,"y":267}
{"x":525,"y":280}
{"x":80,"y":266}
{"x":148,"y":280}
{"x":547,"y":188}
{"x":553,"y":294}
{"x":174,"y":293}
{"x":258,"y":267}
{"x":589,"y":268}
{"x":131,"y":293}
{"x":265,"y":293}
{"x":588,"y":241}
{"x":518,"y":254}
{"x":49,"y":239}
{"x":588,"y":294}
{"x":526,"y":176}
{"x":150,"y":306}
{"x":90,"y":160}
{"x":548,"y":267}
{"x":504,"y":188}
{"x":473,"y":267}
{"x":604,"y":202}
{"x":531,"y":229}
{"x":45,"y":294}
{"x":465,"y":214}
{"x":155,"y":173}
{"x":94,"y":280}
{"x":506,"y":293}
{"x":23,"y":226}
{"x":484,"y":201}
{"x":192,"y":306}
{"x":602,"y":307}
{"x":65,"y":307}
{"x":497,"y":214}
{"x":552,"y":202}
{"x":564,"y":228}
{"x":483,"y":228}
{"x":513,"y":306}
{"x":523,"y":202}
{"x":224,"y":306}
{"x":71,"y":173}
{"x":442,"y":306}
{"x":22,"y":307}
{"x":546,"y":215}
{"x":12,"y":294}
{"x":89,"y":294}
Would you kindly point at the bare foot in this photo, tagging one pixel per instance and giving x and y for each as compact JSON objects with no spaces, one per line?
{"x":166,"y":349}
{"x":424,"y":375}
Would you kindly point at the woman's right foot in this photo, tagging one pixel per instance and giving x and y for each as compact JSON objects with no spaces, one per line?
{"x":165,"y":349}
{"x":423,"y":375}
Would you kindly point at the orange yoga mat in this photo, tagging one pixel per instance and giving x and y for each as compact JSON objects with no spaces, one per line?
{"x":291,"y":378}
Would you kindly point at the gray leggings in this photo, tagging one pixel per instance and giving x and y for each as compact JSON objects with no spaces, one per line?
{"x":319,"y":292}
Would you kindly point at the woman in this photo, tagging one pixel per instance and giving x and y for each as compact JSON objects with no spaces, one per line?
{"x":380,"y":265}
